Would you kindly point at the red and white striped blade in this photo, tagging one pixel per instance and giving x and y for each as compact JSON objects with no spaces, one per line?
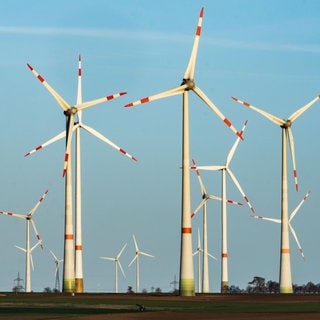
{"x":37,"y":233}
{"x":68,"y":143}
{"x":104,"y":139}
{"x":189,"y":73}
{"x":38,"y":203}
{"x":299,"y":112}
{"x":235,"y":145}
{"x":202,"y":187}
{"x":297,"y":240}
{"x":200,"y":205}
{"x":293,"y":157}
{"x":295,"y":211}
{"x":226,"y":121}
{"x":88,"y":104}
{"x":265,"y":218}
{"x":64,"y":105}
{"x":41,"y":146}
{"x":11,"y":214}
{"x":79,"y":91}
{"x":209,"y":168}
{"x":269,"y":116}
{"x":163,"y":94}
{"x":236,"y":182}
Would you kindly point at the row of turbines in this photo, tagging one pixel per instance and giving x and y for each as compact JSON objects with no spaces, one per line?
{"x":72,"y":262}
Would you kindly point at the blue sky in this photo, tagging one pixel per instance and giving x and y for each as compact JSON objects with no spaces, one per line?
{"x":262,"y":52}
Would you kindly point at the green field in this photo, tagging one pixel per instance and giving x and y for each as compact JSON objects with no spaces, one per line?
{"x":58,"y":306}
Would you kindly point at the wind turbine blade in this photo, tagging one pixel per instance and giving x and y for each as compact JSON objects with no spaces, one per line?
{"x":120,"y":253}
{"x":38,"y":243}
{"x":104,"y":139}
{"x":146,"y":254}
{"x":291,"y":144}
{"x":107,"y":258}
{"x":227,"y":200}
{"x":119,"y":263}
{"x":189,"y":73}
{"x":202,"y":187}
{"x":211,"y":256}
{"x":209,"y":168}
{"x":79,"y":91}
{"x":216,"y":111}
{"x":11,"y":214}
{"x":236,"y":182}
{"x":37,"y":233}
{"x":199,"y":240}
{"x":31,"y":261}
{"x":68,"y":144}
{"x":163,"y":94}
{"x":64,"y":105}
{"x":269,"y":116}
{"x":41,"y":146}
{"x":235,"y":145}
{"x":299,"y":112}
{"x":135,"y":243}
{"x":38,"y":203}
{"x":268,"y":219}
{"x":295,"y":211}
{"x":203,"y":201}
{"x":88,"y":104}
{"x":212,"y":197}
{"x":54,"y":256}
{"x":297,"y":240}
{"x":22,"y":249}
{"x":132,"y":261}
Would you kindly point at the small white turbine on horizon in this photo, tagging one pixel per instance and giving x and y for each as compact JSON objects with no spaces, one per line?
{"x":57,"y":271}
{"x":136,"y":259}
{"x":28,"y":218}
{"x":117,"y":262}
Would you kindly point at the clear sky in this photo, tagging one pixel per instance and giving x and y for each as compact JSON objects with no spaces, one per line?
{"x":264,"y":52}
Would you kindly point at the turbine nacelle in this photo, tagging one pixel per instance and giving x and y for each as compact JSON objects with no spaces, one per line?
{"x":189,"y":83}
{"x":286,"y":124}
{"x":71,"y":111}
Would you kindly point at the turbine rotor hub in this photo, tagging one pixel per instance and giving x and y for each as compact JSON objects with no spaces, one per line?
{"x":189,"y":82}
{"x":287,"y":124}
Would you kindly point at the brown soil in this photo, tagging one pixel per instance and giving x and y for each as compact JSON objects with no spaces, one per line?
{"x":134,"y":314}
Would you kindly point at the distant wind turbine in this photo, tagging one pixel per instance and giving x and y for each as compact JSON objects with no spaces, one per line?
{"x":136,"y":259}
{"x":28,"y":218}
{"x":116,"y":259}
{"x":203,"y":203}
{"x":198,"y":252}
{"x":57,"y":271}
{"x":225,"y":169}
{"x":186,"y":282}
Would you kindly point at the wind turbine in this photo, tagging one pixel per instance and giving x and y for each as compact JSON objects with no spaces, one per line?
{"x":205,"y":197}
{"x":28,"y":218}
{"x":30,"y":261}
{"x":57,"y":271}
{"x":292,"y":215}
{"x":136,"y":259}
{"x":116,"y":259}
{"x":198,"y":252}
{"x":286,"y":133}
{"x":72,"y":277}
{"x":186,"y":282}
{"x":225,"y":169}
